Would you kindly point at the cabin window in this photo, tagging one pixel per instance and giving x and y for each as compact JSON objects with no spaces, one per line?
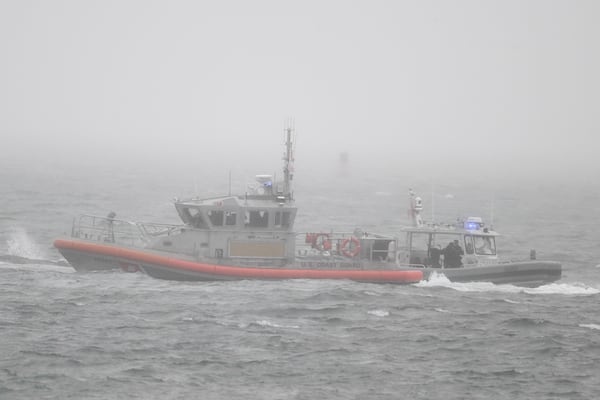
{"x":216,"y":217}
{"x":285,"y":219}
{"x":230,"y":218}
{"x":428,"y":248}
{"x":282,"y":219}
{"x":257,"y":218}
{"x":195,"y":218}
{"x":469,"y":245}
{"x":485,"y":245}
{"x":419,"y":248}
{"x":442,"y":240}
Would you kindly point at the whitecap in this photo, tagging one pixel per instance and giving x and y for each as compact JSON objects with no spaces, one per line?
{"x":590,"y":326}
{"x":440,"y":280}
{"x":379,"y":313}
{"x":577,"y":289}
{"x":270,"y":324}
{"x":435,"y":279}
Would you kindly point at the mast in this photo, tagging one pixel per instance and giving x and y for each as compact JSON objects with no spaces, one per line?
{"x":414,"y":208}
{"x":288,"y":164}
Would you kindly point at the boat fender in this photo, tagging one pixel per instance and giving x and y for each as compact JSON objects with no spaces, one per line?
{"x":350,"y":247}
{"x":321,"y":242}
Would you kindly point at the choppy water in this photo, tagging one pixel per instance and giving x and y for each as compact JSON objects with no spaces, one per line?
{"x":119,"y":336}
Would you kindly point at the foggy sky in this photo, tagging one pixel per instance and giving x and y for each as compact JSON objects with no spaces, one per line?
{"x":482,"y":87}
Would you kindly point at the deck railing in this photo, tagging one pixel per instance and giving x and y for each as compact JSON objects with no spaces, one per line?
{"x":112,"y":230}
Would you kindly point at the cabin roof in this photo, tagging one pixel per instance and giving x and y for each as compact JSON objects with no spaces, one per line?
{"x":449,"y":230}
{"x":265,"y":201}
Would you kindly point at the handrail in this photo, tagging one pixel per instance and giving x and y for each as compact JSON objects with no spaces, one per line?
{"x":113,"y":230}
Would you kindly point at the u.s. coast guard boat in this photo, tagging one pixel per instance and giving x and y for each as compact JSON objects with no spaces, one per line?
{"x":251,"y":237}
{"x":465,"y":251}
{"x":234,"y":237}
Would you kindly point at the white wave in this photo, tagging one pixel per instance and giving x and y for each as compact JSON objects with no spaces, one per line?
{"x":512,"y":301}
{"x":270,"y":324}
{"x":21,"y":245}
{"x":577,"y":289}
{"x":440,"y":280}
{"x":379,"y":313}
{"x":441,"y":310}
{"x":435,"y":279}
{"x":37,"y":268}
{"x":590,"y":326}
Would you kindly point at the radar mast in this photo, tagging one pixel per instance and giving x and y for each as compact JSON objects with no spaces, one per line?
{"x":288,"y":162}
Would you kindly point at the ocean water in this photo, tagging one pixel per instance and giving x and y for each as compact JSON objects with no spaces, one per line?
{"x":67,"y":335}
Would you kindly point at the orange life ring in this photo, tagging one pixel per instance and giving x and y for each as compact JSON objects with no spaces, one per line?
{"x":350,"y":247}
{"x":310,"y":238}
{"x":321,"y":242}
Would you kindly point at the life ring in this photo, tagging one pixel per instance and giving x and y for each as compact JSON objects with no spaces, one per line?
{"x":321,"y":242}
{"x":350,"y":247}
{"x":310,"y":238}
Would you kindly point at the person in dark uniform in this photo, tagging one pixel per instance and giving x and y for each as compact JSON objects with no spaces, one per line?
{"x":453,"y":255}
{"x":435,"y":254}
{"x":459,"y":254}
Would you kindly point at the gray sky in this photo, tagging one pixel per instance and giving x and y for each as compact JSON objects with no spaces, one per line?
{"x":504,"y":86}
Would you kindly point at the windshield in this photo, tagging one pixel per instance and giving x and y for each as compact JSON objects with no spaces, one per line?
{"x":485,"y":245}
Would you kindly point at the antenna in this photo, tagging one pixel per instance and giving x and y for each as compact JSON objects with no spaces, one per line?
{"x":492,"y":214}
{"x":432,"y":203}
{"x":229,"y":182}
{"x":288,"y":161}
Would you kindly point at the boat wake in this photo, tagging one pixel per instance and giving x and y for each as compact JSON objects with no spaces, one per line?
{"x":21,"y":245}
{"x":22,"y":250}
{"x":572,"y":289}
{"x":19,"y":260}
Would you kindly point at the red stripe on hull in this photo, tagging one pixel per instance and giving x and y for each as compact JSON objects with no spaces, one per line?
{"x":392,"y":276}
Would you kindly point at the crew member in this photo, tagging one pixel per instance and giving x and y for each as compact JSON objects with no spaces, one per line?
{"x":453,"y":255}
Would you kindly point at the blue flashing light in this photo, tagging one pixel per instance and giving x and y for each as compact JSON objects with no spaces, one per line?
{"x":472,"y":226}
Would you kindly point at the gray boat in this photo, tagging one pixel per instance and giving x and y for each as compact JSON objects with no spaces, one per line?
{"x":465,"y":251}
{"x":247,"y":236}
